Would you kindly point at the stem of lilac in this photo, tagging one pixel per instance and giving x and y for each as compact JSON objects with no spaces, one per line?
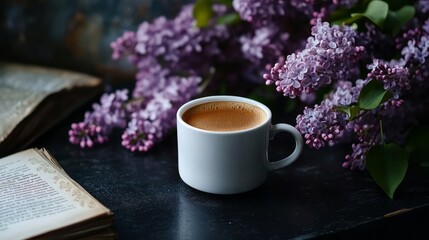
{"x":381,"y":131}
{"x":373,"y":139}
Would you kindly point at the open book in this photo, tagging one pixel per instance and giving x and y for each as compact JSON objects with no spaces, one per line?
{"x":33,"y":99}
{"x":39,"y":200}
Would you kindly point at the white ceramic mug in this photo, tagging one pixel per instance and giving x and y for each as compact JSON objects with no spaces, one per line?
{"x":232,"y":161}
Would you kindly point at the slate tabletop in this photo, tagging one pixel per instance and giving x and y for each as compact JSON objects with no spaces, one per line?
{"x":314,"y":198}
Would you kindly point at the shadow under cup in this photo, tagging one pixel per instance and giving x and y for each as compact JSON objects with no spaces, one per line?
{"x":228,"y":162}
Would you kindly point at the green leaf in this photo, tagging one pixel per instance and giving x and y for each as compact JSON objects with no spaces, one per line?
{"x":202,"y":12}
{"x":387,"y":164}
{"x":372,"y":95}
{"x":405,"y":14}
{"x":397,"y":19}
{"x":376,"y":12}
{"x":349,"y":20}
{"x":352,"y":111}
{"x":229,"y":19}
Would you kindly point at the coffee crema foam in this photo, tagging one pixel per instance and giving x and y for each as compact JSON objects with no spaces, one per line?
{"x":224,"y":116}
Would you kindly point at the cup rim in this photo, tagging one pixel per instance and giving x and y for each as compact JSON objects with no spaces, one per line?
{"x":219,"y":98}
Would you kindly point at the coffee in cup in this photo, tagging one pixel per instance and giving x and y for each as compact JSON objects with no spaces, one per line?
{"x":224,"y":116}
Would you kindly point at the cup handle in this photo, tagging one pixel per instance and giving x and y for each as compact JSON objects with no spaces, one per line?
{"x":282,"y":127}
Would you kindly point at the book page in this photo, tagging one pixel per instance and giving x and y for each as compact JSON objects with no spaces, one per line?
{"x":42,"y":79}
{"x":35,"y":196}
{"x":15,"y":105}
{"x":23,"y":87}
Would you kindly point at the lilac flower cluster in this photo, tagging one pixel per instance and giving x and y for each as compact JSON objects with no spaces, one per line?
{"x":265,"y":42}
{"x":320,"y":125}
{"x":415,"y":56}
{"x":405,"y":79}
{"x":331,"y":126}
{"x":416,"y":52}
{"x":150,"y":124}
{"x":398,"y":114}
{"x":366,"y":129}
{"x":178,"y":39}
{"x":331,"y":58}
{"x":320,"y":9}
{"x":329,"y":55}
{"x":356,"y":159}
{"x":124,"y":44}
{"x":397,"y":117}
{"x":166,"y":54}
{"x":395,"y":78}
{"x":259,"y":12}
{"x":323,"y":124}
{"x":267,"y":11}
{"x":111,"y":112}
{"x":422,"y":6}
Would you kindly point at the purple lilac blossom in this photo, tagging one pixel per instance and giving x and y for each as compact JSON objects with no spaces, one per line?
{"x":322,"y":124}
{"x":410,"y":34}
{"x":173,"y":40}
{"x":124,"y":45}
{"x":164,"y":53}
{"x":150,"y":78}
{"x":365,"y":129}
{"x":259,"y":12}
{"x":397,"y":117}
{"x":168,"y":56}
{"x":305,"y":6}
{"x":345,"y":3}
{"x":425,"y":27}
{"x":415,"y":56}
{"x":422,"y":6}
{"x":328,"y":56}
{"x":346,"y":93}
{"x":266,"y":42}
{"x":319,"y":9}
{"x":416,"y":51}
{"x":395,"y":78}
{"x":150,"y":124}
{"x":166,"y":48}
{"x":308,"y":98}
{"x":356,"y":160}
{"x":97,"y":125}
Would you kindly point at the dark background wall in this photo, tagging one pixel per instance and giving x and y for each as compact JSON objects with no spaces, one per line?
{"x":74,"y":34}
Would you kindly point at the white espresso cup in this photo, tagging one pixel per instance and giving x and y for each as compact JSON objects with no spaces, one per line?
{"x":233,"y":161}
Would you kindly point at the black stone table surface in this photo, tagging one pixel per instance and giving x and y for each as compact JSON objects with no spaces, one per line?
{"x":312,"y":198}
